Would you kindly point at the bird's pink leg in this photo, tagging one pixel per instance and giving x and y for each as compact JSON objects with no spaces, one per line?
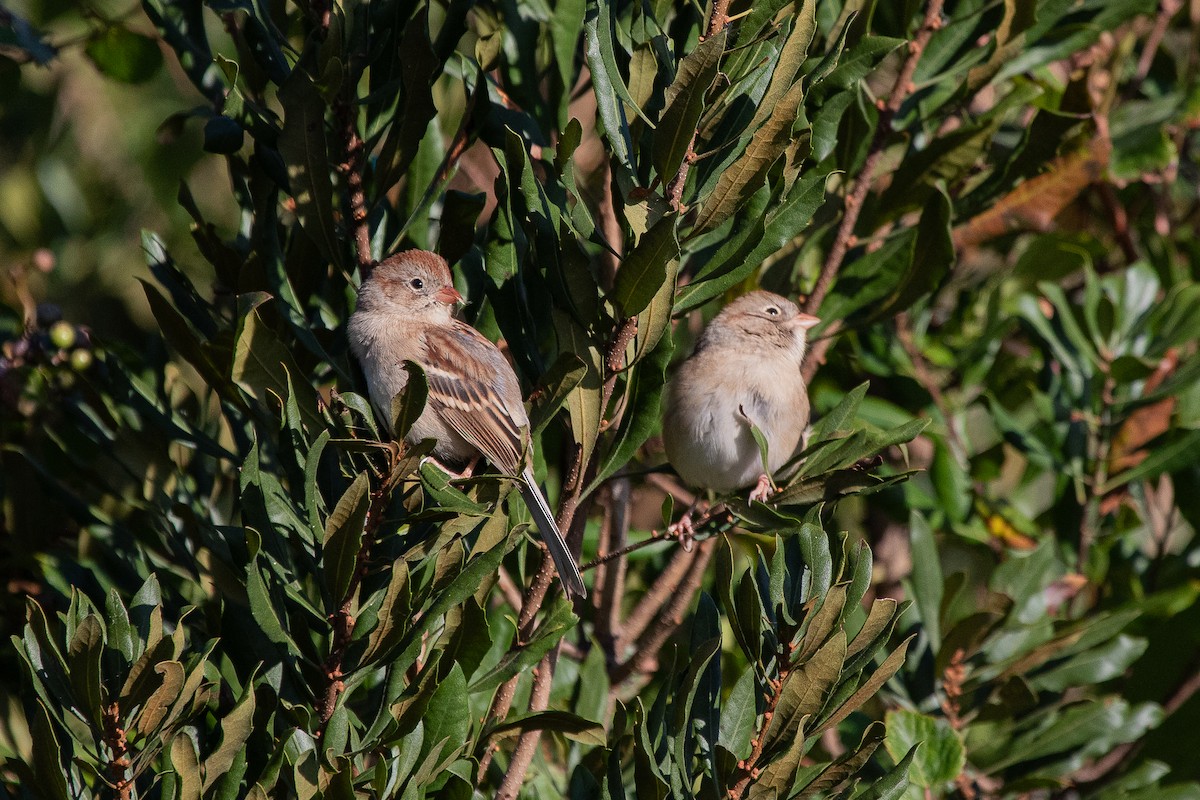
{"x":467,"y":471}
{"x":684,"y":530}
{"x":763,"y":490}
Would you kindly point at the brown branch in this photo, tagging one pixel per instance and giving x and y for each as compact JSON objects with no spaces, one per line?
{"x":652,"y":640}
{"x":351,"y":168}
{"x":817,"y":350}
{"x":664,"y":587}
{"x":543,"y":676}
{"x":1120,"y":220}
{"x":844,"y":237}
{"x":118,"y":764}
{"x":610,"y":579}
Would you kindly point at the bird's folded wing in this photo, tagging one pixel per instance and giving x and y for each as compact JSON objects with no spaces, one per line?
{"x":474,"y":389}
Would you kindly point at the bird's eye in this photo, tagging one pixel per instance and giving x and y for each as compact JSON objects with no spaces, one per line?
{"x":773,"y":311}
{"x":417,"y":283}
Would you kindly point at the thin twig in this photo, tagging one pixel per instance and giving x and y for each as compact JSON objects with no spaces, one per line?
{"x":1118,"y":756}
{"x":578,"y":477}
{"x":674,"y":187}
{"x":652,"y":640}
{"x":610,"y":579}
{"x":1099,"y":443}
{"x":1167,"y":9}
{"x":748,"y":769}
{"x":1120,"y":221}
{"x":901,"y":89}
{"x":925,"y":377}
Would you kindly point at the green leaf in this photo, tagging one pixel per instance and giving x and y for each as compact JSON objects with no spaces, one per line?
{"x":236,"y":727}
{"x":407,"y":405}
{"x":684,"y":104}
{"x":49,"y":779}
{"x":125,"y":56}
{"x":940,"y":757}
{"x":869,"y":687}
{"x":305,"y":147}
{"x":745,"y":175}
{"x":805,"y":690}
{"x":927,"y":581}
{"x":644,"y":270}
{"x":523,"y":656}
{"x":792,"y":54}
{"x":448,"y":717}
{"x":186,"y":764}
{"x":343,"y":539}
{"x":583,"y":402}
{"x":1164,"y":457}
{"x":573,"y":727}
{"x":892,"y":785}
{"x":848,"y":765}
{"x":264,"y":368}
{"x":1094,"y":666}
{"x":180,"y":335}
{"x":83,"y":667}
{"x":393,"y":613}
{"x":608,"y":86}
{"x":738,"y":714}
{"x":556,"y":385}
{"x":642,"y":416}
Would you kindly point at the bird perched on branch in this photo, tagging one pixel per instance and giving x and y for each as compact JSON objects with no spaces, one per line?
{"x":405,"y":313}
{"x":745,"y":371}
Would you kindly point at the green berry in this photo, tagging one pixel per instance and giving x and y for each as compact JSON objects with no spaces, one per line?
{"x":81,"y":359}
{"x":62,"y":334}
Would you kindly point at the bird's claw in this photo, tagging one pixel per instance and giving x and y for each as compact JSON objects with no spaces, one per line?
{"x":684,"y":531}
{"x":763,"y":490}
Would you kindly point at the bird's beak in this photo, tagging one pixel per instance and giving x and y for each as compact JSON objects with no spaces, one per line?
{"x":449,"y":296}
{"x":804,"y":321}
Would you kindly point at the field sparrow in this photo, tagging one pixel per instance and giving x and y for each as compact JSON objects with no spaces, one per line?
{"x":746,"y":368}
{"x":405,"y":312}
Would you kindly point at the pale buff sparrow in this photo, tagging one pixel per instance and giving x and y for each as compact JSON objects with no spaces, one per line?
{"x":474,"y":408}
{"x":745,"y":369}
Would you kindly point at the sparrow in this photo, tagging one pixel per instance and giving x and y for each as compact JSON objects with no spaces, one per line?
{"x":745,"y":370}
{"x":405,"y":312}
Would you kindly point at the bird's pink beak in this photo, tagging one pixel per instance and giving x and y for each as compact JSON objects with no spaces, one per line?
{"x":805,"y":321}
{"x":449,"y":295}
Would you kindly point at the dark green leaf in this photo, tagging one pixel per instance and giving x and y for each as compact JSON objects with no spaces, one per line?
{"x":684,"y":104}
{"x":125,"y":56}
{"x":644,"y":270}
{"x":343,"y":539}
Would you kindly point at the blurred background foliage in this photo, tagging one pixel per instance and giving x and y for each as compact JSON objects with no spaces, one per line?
{"x":980,"y":579}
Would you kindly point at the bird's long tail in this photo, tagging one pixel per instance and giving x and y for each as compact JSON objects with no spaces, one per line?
{"x":564,"y":562}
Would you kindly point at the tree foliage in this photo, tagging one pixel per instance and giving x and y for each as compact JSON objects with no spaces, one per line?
{"x":977,"y":579}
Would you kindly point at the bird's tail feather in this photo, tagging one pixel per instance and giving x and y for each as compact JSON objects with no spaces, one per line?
{"x":564,"y":562}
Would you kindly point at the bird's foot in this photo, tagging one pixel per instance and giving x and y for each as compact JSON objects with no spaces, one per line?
{"x":763,"y":490}
{"x":456,"y":475}
{"x":684,"y":530}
